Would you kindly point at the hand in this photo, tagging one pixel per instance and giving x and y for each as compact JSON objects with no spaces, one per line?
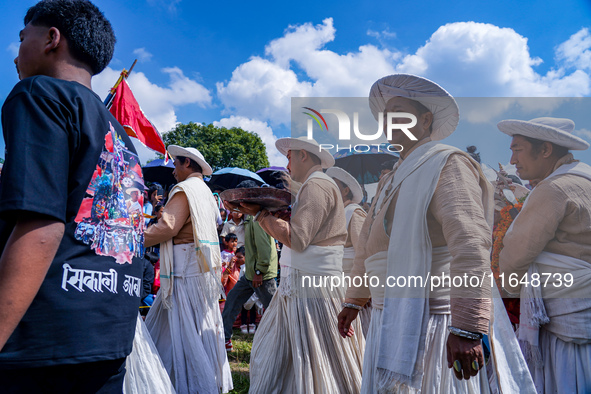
{"x":465,"y":351}
{"x":345,"y":318}
{"x":283,"y":214}
{"x":249,"y":209}
{"x":257,"y":280}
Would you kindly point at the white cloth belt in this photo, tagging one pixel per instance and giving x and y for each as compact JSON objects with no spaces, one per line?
{"x":185,"y":260}
{"x":563,"y":310}
{"x":318,"y":260}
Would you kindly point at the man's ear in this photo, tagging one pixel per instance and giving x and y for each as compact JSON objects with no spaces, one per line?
{"x":547,"y":149}
{"x":304,"y":155}
{"x":54,"y":39}
{"x":427,"y":119}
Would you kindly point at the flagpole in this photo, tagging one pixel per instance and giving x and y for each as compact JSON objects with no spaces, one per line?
{"x":124,"y":74}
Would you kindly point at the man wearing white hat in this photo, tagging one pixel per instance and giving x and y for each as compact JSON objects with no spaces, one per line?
{"x":432,"y":216}
{"x":551,"y":239}
{"x":185,"y":321}
{"x":297,"y":348}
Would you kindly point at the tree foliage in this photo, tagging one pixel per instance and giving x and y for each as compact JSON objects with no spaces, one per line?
{"x":220,"y":146}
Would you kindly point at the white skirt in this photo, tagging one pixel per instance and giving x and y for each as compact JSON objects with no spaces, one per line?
{"x":438,"y":378}
{"x":298,"y":349}
{"x":567,"y":366}
{"x":190,"y":336}
{"x":144,"y":371}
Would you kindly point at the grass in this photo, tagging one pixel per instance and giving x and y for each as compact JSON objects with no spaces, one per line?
{"x":239,"y":361}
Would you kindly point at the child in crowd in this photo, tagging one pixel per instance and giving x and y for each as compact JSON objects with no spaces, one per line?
{"x":230,"y":244}
{"x":232,"y":273}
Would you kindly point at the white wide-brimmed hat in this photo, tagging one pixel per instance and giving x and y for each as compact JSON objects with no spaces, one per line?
{"x":309,"y":145}
{"x":446,"y":114}
{"x":349,"y":181}
{"x":555,"y":130}
{"x":131,"y":190}
{"x":192,"y":154}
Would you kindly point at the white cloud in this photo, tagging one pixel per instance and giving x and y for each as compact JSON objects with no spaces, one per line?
{"x":142,"y":54}
{"x":477,"y":59}
{"x":262,"y":87}
{"x":157,"y":102}
{"x":382,"y":36}
{"x":576,"y":51}
{"x":262,"y":129}
{"x":13,"y":48}
{"x":469,"y":59}
{"x":583,"y":133}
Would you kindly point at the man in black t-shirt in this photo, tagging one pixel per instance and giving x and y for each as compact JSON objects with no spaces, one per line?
{"x":70,"y":276}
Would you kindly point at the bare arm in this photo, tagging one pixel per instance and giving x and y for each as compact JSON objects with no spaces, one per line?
{"x":23,"y":266}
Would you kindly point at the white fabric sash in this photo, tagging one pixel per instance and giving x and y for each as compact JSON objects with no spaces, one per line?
{"x":554,"y":303}
{"x":318,"y":260}
{"x":203,"y":217}
{"x":409,"y":254}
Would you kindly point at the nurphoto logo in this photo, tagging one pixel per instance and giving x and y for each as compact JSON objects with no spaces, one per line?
{"x":344,"y":128}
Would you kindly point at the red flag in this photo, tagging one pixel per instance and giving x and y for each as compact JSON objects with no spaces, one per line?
{"x":128,"y":112}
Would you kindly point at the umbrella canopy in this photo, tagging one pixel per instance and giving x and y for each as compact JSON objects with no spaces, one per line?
{"x":364,"y":166}
{"x":269,"y":175}
{"x":230,"y":177}
{"x":157,"y":171}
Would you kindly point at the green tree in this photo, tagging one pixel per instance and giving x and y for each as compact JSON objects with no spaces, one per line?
{"x":220,"y":146}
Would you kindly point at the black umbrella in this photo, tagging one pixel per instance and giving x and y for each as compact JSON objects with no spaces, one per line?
{"x":230,"y":177}
{"x":157,"y":171}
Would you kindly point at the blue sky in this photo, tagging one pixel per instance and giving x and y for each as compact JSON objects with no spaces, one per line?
{"x":239,"y":63}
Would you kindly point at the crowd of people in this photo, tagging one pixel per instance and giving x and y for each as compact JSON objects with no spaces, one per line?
{"x":330,"y":274}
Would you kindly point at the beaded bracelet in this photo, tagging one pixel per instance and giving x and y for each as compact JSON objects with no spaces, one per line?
{"x":464,"y":334}
{"x":352,"y":306}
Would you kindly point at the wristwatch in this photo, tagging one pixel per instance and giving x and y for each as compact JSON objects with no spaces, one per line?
{"x":257,"y":272}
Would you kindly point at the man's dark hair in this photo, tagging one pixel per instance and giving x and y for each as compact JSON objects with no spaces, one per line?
{"x":194,"y":166}
{"x":89,"y":34}
{"x":536,"y":144}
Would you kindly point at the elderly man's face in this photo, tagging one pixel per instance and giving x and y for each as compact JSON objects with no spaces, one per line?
{"x":529,"y":164}
{"x":134,"y":196}
{"x":402,"y":104}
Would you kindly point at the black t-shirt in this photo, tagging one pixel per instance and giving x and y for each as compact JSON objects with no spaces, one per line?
{"x":69,"y":159}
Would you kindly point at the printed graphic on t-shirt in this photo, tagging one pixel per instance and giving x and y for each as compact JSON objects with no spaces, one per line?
{"x":110,"y":218}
